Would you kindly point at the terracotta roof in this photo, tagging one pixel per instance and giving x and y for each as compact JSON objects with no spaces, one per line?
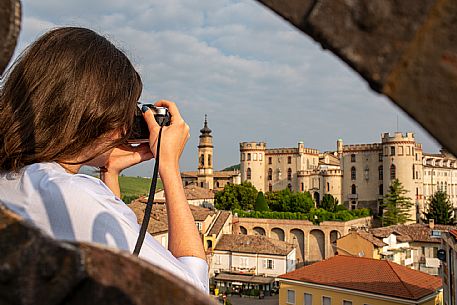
{"x":189,"y":174}
{"x":414,"y":232}
{"x":453,"y":233}
{"x":380,"y":277}
{"x":194,"y":192}
{"x":219,"y":223}
{"x":225,"y":174}
{"x":368,"y":236}
{"x":159,"y":221}
{"x":253,"y":244}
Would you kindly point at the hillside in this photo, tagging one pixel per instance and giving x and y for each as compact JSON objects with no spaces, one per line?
{"x":134,"y":187}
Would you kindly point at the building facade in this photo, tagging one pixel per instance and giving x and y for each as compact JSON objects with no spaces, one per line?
{"x":357,"y":175}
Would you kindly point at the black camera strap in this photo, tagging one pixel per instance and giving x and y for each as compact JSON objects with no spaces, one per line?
{"x":152,"y":190}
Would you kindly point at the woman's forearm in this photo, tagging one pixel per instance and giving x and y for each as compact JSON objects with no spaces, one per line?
{"x":184,"y":239}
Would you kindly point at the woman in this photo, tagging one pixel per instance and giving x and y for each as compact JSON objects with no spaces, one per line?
{"x":69,"y":101}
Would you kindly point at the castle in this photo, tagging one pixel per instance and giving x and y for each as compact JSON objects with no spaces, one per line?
{"x":357,"y":175}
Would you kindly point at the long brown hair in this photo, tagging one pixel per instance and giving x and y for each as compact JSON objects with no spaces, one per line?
{"x":67,"y":90}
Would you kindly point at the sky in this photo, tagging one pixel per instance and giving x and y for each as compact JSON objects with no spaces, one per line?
{"x":255,"y":76}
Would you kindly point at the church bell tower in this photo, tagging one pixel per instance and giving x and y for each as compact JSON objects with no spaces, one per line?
{"x":205,"y":158}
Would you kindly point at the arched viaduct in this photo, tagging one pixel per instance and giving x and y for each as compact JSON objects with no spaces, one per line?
{"x":313,"y":242}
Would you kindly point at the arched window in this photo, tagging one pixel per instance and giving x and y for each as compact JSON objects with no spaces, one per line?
{"x":248,"y":173}
{"x":392,"y":172}
{"x":289,"y":160}
{"x":289,"y":174}
{"x":352,"y":157}
{"x":209,"y":160}
{"x":353,"y":189}
{"x":270,"y":174}
{"x":353,"y":173}
{"x":380,"y":172}
{"x":202,"y":160}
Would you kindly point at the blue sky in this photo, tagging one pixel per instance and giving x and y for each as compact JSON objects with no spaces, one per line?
{"x":256,"y":77}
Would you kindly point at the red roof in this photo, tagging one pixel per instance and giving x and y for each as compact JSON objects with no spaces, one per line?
{"x":380,"y":277}
{"x":453,"y":233}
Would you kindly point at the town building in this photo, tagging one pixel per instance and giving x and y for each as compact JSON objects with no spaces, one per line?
{"x":357,"y":175}
{"x":414,"y":246}
{"x":349,"y":280}
{"x":195,"y":195}
{"x":205,"y":176}
{"x":242,"y":262}
{"x":449,"y":267}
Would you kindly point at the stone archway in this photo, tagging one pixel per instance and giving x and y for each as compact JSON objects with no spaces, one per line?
{"x":277,"y":233}
{"x":316,"y":245}
{"x":243,"y":230}
{"x":334,"y":236}
{"x":298,"y":240}
{"x":259,"y":231}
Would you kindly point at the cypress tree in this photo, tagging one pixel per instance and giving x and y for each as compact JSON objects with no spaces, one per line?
{"x":396,"y":205}
{"x":440,"y":209}
{"x":261,"y":203}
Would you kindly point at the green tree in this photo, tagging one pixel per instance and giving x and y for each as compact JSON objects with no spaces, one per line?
{"x":396,"y":205}
{"x":288,"y":201}
{"x":329,"y":203}
{"x":233,"y":196}
{"x":440,"y":209}
{"x":261,"y":203}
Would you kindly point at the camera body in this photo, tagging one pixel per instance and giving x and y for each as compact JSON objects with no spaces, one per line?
{"x":140,"y":130}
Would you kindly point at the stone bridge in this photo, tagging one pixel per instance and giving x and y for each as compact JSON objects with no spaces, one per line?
{"x":313,"y":242}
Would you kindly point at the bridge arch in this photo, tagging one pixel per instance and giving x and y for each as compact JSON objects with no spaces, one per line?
{"x":243,"y":230}
{"x":316,"y":245}
{"x":259,"y":231}
{"x":278,"y":233}
{"x":298,"y":240}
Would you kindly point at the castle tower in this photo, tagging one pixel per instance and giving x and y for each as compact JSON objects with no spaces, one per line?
{"x":252,"y":164}
{"x":339,"y":147}
{"x":205,"y":158}
{"x":402,"y":159}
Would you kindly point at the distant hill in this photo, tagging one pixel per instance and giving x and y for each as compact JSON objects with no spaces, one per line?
{"x":134,"y":187}
{"x":232,"y":168}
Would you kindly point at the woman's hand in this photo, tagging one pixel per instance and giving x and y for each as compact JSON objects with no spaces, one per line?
{"x":174,"y":137}
{"x":125,"y":156}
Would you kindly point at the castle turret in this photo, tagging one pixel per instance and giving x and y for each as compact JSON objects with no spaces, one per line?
{"x":205,"y":157}
{"x":339,"y":147}
{"x":252,"y":164}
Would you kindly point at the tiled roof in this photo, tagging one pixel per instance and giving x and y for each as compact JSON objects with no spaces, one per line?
{"x":253,"y":244}
{"x":194,"y":192}
{"x":189,"y":174}
{"x":219,"y":223}
{"x":414,"y":232}
{"x":368,"y":236}
{"x":159,"y":221}
{"x":216,"y":174}
{"x":380,"y":277}
{"x":244,"y":278}
{"x":453,"y":233}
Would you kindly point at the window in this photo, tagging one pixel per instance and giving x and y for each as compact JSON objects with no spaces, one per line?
{"x":353,"y":189}
{"x":328,"y":187}
{"x":352,"y":157}
{"x":209,"y":160}
{"x":408,"y":150}
{"x":217,"y":259}
{"x":392,"y":172}
{"x":392,"y":150}
{"x":244,"y":262}
{"x":289,"y":186}
{"x":380,"y":173}
{"x":353,"y":173}
{"x":326,"y":301}
{"x":260,"y":157}
{"x":269,"y":160}
{"x":347,"y":302}
{"x":254,"y":157}
{"x":308,"y":298}
{"x":269,"y":264}
{"x":289,"y":174}
{"x":289,"y":160}
{"x":380,"y":157}
{"x":353,"y":205}
{"x":417,"y":157}
{"x":381,"y":189}
{"x":249,"y":156}
{"x":199,"y":226}
{"x":243,"y":156}
{"x":290,"y":296}
{"x":302,"y":187}
{"x":270,"y":174}
{"x":202,"y":160}
{"x":270,"y":187}
{"x":400,"y":150}
{"x":248,"y":173}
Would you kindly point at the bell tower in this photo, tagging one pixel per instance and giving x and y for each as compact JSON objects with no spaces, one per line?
{"x":205,"y":158}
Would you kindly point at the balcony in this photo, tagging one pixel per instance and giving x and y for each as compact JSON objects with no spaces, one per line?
{"x":353,"y":196}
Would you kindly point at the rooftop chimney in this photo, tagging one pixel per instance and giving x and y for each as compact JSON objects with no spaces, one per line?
{"x":431,"y":223}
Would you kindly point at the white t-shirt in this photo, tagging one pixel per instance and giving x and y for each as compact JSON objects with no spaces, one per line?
{"x":82,"y":208}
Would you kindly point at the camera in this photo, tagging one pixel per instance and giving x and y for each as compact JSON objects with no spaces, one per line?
{"x":140,"y":130}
